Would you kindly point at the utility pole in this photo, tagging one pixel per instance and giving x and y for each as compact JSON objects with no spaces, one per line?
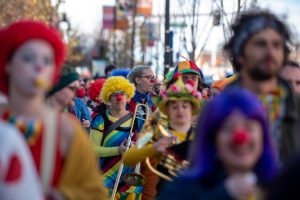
{"x":133,"y":33}
{"x":253,"y":4}
{"x":239,"y":7}
{"x":114,"y":33}
{"x":168,"y":50}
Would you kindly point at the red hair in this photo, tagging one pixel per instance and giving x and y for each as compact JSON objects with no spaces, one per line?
{"x":95,"y":89}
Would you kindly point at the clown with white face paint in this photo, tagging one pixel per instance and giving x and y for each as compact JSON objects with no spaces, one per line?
{"x":33,"y":71}
{"x":31,"y":55}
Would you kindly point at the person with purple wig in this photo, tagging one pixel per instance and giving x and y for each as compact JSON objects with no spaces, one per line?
{"x":232,"y":156}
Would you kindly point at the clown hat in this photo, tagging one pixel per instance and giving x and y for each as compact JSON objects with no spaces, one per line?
{"x":183,"y":67}
{"x":179,"y":91}
{"x":187,"y":66}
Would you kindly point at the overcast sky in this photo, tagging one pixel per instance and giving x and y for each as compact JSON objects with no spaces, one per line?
{"x":87,"y":15}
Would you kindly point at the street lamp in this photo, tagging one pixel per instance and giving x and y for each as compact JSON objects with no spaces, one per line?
{"x":64,"y":26}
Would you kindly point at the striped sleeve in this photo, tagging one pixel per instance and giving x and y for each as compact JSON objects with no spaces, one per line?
{"x":98,"y":123}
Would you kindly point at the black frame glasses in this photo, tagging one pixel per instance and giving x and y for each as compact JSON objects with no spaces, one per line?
{"x":149,"y":77}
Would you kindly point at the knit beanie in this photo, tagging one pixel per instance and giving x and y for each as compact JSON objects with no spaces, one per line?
{"x":68,"y":75}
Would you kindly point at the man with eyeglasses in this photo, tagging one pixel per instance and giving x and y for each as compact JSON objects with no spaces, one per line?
{"x":143,"y":78}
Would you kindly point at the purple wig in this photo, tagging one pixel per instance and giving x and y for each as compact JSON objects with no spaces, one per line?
{"x":203,"y":153}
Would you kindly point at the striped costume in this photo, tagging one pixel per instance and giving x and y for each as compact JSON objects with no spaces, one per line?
{"x":106,"y":147}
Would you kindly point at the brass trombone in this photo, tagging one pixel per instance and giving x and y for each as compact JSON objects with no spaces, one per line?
{"x":133,"y":178}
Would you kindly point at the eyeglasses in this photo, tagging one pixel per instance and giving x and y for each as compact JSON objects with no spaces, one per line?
{"x":149,"y":77}
{"x":114,"y":94}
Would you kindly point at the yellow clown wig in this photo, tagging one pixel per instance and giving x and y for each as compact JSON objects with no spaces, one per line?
{"x":114,"y":84}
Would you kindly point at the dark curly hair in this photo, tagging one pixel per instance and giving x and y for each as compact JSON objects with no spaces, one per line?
{"x":249,"y":23}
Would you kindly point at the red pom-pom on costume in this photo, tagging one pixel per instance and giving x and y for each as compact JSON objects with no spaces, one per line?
{"x":80,"y":92}
{"x":95,"y":89}
{"x":177,"y":75}
{"x":16,"y":34}
{"x":240,"y":137}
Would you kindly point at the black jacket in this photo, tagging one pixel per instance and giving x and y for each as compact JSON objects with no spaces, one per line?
{"x":191,"y":188}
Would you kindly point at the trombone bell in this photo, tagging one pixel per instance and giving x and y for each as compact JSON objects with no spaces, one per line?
{"x":134,"y":179}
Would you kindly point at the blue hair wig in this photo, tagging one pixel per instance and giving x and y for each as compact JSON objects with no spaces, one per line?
{"x":203,"y":152}
{"x":120,"y":72}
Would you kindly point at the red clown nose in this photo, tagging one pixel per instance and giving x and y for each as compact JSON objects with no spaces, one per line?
{"x":119,"y":97}
{"x":191,"y":82}
{"x":240,"y":136}
{"x":80,"y":93}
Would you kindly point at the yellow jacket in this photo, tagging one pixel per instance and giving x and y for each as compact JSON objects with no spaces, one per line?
{"x":80,"y":178}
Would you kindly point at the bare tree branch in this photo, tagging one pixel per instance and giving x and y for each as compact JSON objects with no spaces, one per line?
{"x":204,"y":44}
{"x":203,"y":30}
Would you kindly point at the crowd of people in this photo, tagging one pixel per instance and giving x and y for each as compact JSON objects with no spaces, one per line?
{"x":127,"y":136}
